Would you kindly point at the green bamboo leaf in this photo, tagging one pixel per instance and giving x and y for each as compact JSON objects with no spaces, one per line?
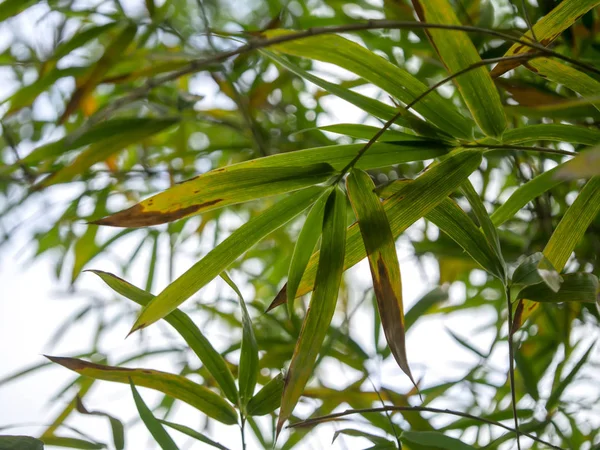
{"x":128,"y":130}
{"x":81,"y":38}
{"x":526,"y":193}
{"x":193,"y":434}
{"x":430,"y":440}
{"x":322,"y":304}
{"x":414,"y":201}
{"x":367,"y":104}
{"x":248,"y":367}
{"x":567,"y":381}
{"x":489,"y":230}
{"x":569,"y":77}
{"x":305,"y":244}
{"x":547,"y":29}
{"x":224,"y":254}
{"x":154,"y":426}
{"x":71,"y":442}
{"x":525,"y":371}
{"x":496,"y":416}
{"x":535,"y":269}
{"x":425,"y":304}
{"x":366,"y":132}
{"x":20,"y":443}
{"x":552,"y":132}
{"x":382,"y":73}
{"x":576,"y":287}
{"x":383,"y":262}
{"x":584,"y":165}
{"x":175,"y":386}
{"x":268,"y":398}
{"x":116,"y":425}
{"x":263,"y":177}
{"x":378,"y":440}
{"x":189,"y":331}
{"x":457,"y":52}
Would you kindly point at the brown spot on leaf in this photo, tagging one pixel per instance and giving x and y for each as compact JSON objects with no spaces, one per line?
{"x":136,"y":216}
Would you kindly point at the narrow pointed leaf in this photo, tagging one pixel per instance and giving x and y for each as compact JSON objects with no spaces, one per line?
{"x":175,"y":386}
{"x":20,"y":443}
{"x":225,"y":254}
{"x":412,"y":202}
{"x":568,"y":76}
{"x":305,"y":244}
{"x":322,"y":304}
{"x":248,"y":367}
{"x":547,"y":29}
{"x":217,"y":189}
{"x":535,"y":269}
{"x":154,"y":426}
{"x":382,"y":73}
{"x":432,"y":440}
{"x":71,"y":442}
{"x":457,"y":52}
{"x":189,"y":331}
{"x":568,"y":380}
{"x":366,"y":132}
{"x":268,"y":399}
{"x":193,"y":434}
{"x":116,"y":425}
{"x":552,"y":132}
{"x":383,"y":262}
{"x":576,"y":287}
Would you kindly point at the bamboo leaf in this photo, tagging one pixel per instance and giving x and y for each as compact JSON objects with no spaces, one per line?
{"x":383,"y":262}
{"x":116,"y":425}
{"x":547,"y":29}
{"x":552,"y":132}
{"x":20,"y":443}
{"x":224,"y":254}
{"x":248,"y":367}
{"x":569,"y":77}
{"x":193,"y":434}
{"x":263,"y":177}
{"x":175,"y":386}
{"x":71,"y":442}
{"x":457,"y":52}
{"x":268,"y":399}
{"x":154,"y":426}
{"x":535,"y":269}
{"x":305,"y":244}
{"x":567,"y":381}
{"x":409,"y":204}
{"x":322,"y":304}
{"x":189,"y":331}
{"x":429,"y":440}
{"x":585,"y":165}
{"x":576,"y":287}
{"x":366,"y":132}
{"x":377,"y":70}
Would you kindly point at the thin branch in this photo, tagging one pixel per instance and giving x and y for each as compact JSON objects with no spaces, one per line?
{"x":511,"y":367}
{"x":348,"y":412}
{"x":256,"y":44}
{"x":528,"y":21}
{"x":524,"y":148}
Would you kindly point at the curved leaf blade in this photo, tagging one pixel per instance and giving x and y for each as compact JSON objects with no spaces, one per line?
{"x":552,"y":132}
{"x":268,"y":399}
{"x":576,"y":287}
{"x":430,"y":440}
{"x":193,"y":434}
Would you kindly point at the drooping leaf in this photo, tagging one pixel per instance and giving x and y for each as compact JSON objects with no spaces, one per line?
{"x":116,"y":425}
{"x":457,"y":52}
{"x":377,"y":70}
{"x":322,"y":304}
{"x":535,"y":269}
{"x":547,"y":29}
{"x":263,"y":177}
{"x":175,"y":386}
{"x":189,"y":331}
{"x":576,"y":287}
{"x":268,"y":398}
{"x":305,"y":244}
{"x":412,"y":202}
{"x":154,"y":426}
{"x":430,"y":440}
{"x":225,"y":254}
{"x":248,"y":367}
{"x":20,"y":443}
{"x":193,"y":434}
{"x":383,"y":262}
{"x":377,"y":440}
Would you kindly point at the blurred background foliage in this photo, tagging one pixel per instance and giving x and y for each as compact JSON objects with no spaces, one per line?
{"x":86,"y":132}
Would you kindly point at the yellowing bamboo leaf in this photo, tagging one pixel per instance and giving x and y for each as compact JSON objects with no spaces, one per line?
{"x":403,"y":209}
{"x":457,"y":52}
{"x":225,"y":254}
{"x":383,"y":262}
{"x":547,"y":29}
{"x":382,"y":73}
{"x":175,"y":386}
{"x":322,"y":304}
{"x":568,"y":76}
{"x":216,"y":189}
{"x":189,"y":331}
